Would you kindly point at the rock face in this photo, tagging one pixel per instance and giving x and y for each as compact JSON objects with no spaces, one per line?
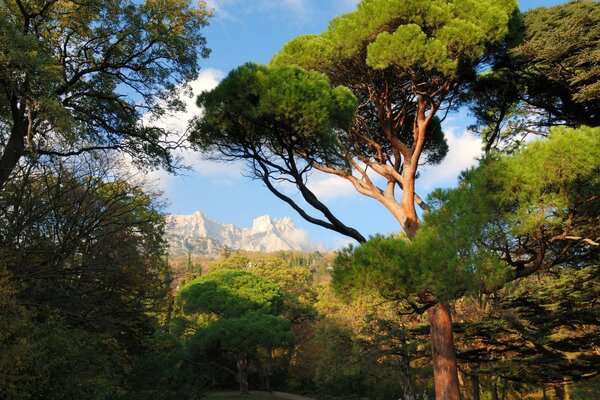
{"x":198,"y":235}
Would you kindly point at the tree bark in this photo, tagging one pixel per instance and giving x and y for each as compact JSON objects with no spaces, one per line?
{"x":268,"y":370}
{"x":13,"y":151}
{"x":562,"y":392}
{"x":494,"y":387}
{"x":475,"y":382}
{"x":504,"y":389}
{"x":242,"y":367}
{"x":442,"y":352}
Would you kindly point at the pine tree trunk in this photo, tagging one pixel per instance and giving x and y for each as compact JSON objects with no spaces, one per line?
{"x":242,"y":367}
{"x":445,"y":373}
{"x":268,"y":371}
{"x":562,"y":392}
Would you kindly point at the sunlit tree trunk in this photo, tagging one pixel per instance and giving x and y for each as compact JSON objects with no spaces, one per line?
{"x":442,"y":353}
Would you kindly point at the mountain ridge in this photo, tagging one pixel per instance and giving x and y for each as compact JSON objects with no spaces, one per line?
{"x":196,"y":234}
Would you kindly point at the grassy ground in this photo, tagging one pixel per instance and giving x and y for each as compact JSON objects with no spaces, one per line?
{"x":254,"y":395}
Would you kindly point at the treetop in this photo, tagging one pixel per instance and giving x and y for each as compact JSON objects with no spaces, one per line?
{"x":435,"y":36}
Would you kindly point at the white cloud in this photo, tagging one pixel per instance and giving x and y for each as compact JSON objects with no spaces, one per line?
{"x":328,"y":187}
{"x":208,"y":79}
{"x":341,"y":242}
{"x":228,"y":9}
{"x":177,"y":123}
{"x":463,"y":153}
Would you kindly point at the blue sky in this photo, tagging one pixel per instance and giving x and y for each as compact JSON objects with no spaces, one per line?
{"x":254,"y":30}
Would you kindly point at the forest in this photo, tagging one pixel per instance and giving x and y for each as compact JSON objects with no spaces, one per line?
{"x":488,"y":290}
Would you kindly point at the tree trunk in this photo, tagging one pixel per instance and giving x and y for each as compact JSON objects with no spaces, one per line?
{"x":13,"y":151}
{"x":475,"y":382}
{"x":442,"y":352}
{"x":504,"y":388}
{"x":242,"y":367}
{"x":494,"y":387}
{"x":562,"y":392}
{"x":559,"y":392}
{"x":268,"y":370}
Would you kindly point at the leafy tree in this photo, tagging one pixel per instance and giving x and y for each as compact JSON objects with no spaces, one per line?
{"x":15,"y":344}
{"x":246,"y":307}
{"x":266,"y":116}
{"x":404,"y":62}
{"x":78,"y":76}
{"x":541,"y":330}
{"x":166,"y":371}
{"x":295,"y":282}
{"x":533,"y":210}
{"x":547,"y":78}
{"x":84,"y":248}
{"x":242,"y":338}
{"x":230,"y":293}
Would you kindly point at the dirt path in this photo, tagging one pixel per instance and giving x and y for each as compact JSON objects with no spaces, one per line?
{"x":291,"y":396}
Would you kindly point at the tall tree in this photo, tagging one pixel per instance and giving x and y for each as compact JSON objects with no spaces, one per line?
{"x":94,"y":74}
{"x":268,"y":116}
{"x":404,"y":61}
{"x":530,"y":213}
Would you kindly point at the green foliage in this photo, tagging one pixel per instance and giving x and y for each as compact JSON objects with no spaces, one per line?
{"x":435,"y":36}
{"x":561,"y":46}
{"x":294,"y":280}
{"x":282,"y":121}
{"x":68,"y":70}
{"x":549,"y":77}
{"x":542,"y":329}
{"x":509,"y":218}
{"x":359,"y":348}
{"x":165,"y":372}
{"x":247,"y":325}
{"x":410,"y":271}
{"x":231,"y":293}
{"x":533,"y":209}
{"x":338,"y":372}
{"x":15,"y":345}
{"x":243,"y":335}
{"x":86,"y":245}
{"x":74,"y":363}
{"x":81,"y":259}
{"x":274,"y":111}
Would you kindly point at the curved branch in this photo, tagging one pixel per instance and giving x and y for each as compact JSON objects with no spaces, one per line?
{"x":334,"y":224}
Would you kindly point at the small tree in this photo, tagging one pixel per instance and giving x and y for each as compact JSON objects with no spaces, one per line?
{"x":245,"y":306}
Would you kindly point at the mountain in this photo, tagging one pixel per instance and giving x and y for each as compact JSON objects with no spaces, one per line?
{"x":198,"y":235}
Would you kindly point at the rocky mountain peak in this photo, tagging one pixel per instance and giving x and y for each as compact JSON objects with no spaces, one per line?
{"x":261,"y":224}
{"x":198,"y":235}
